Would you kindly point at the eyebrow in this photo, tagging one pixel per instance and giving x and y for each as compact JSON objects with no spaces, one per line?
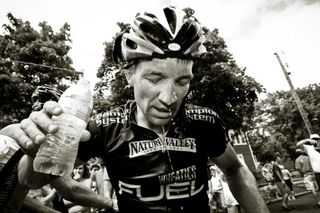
{"x":159,"y":73}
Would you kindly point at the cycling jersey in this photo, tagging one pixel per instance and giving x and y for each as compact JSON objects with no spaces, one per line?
{"x":151,"y":174}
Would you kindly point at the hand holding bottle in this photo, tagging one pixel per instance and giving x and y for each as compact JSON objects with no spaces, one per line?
{"x":57,"y":153}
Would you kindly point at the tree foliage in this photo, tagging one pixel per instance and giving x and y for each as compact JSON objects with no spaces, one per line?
{"x":218,"y":82}
{"x":112,"y":80}
{"x":29,"y":58}
{"x":279,"y":122}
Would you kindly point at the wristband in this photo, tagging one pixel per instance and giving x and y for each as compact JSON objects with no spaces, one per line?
{"x":8,"y":147}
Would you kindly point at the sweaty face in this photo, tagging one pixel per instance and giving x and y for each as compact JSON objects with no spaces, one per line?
{"x":160,"y":86}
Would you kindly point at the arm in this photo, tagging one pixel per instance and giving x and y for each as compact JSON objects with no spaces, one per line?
{"x":29,"y":134}
{"x":34,"y":205}
{"x":78,"y":193}
{"x":304,"y":141}
{"x":241,"y":182}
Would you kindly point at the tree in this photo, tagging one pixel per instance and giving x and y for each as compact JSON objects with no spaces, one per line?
{"x":282,"y":121}
{"x":29,"y":58}
{"x":218,"y":82}
{"x":112,"y":80}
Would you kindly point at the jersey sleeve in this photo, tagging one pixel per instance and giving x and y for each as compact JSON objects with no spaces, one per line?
{"x":217,"y":137}
{"x":210,"y":129}
{"x":93,"y":147}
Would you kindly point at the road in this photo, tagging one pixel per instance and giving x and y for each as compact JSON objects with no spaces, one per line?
{"x":302,"y":204}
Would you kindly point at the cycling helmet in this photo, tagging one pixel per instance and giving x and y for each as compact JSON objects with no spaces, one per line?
{"x":170,"y":33}
{"x":43,"y":94}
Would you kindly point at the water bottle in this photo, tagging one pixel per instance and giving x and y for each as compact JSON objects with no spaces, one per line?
{"x":58,"y":153}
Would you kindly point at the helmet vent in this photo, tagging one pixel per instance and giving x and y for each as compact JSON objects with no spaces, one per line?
{"x":131,"y":44}
{"x":171,"y":18}
{"x":150,"y":15}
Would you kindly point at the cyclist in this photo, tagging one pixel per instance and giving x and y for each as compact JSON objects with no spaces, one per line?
{"x":156,"y":147}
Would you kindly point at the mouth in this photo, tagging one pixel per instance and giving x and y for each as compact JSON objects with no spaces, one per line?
{"x":163,"y":112}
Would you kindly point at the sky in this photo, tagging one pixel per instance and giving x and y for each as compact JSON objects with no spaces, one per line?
{"x":253,"y":31}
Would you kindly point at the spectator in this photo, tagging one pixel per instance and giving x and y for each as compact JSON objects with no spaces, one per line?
{"x":82,"y":175}
{"x":287,"y":178}
{"x":281,"y":184}
{"x":215,"y":190}
{"x":303,"y":165}
{"x":266,"y":172}
{"x":101,"y":177}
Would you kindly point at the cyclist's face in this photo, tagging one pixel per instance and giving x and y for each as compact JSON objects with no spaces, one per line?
{"x":160,"y":86}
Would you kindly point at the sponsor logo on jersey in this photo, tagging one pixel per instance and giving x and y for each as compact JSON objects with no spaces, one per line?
{"x":174,"y":185}
{"x":108,"y":118}
{"x":181,"y":175}
{"x":138,"y":148}
{"x":202,"y":114}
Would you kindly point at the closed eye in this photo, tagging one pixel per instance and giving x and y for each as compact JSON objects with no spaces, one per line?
{"x":154,"y":80}
{"x":184,"y":81}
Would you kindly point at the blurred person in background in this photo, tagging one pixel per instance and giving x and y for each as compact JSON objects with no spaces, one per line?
{"x":303,"y":165}
{"x":102,"y":181}
{"x":215,"y":190}
{"x":80,"y":174}
{"x":287,"y":178}
{"x":281,"y":184}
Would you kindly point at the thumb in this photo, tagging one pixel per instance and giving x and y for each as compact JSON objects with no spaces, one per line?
{"x":85,"y":136}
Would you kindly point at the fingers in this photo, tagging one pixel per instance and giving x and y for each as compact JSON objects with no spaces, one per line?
{"x":39,"y":122}
{"x":43,"y":118}
{"x":31,"y":131}
{"x":14,"y":131}
{"x":52,"y":108}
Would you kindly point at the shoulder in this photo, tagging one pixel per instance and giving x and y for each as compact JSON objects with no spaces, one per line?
{"x":117,"y":115}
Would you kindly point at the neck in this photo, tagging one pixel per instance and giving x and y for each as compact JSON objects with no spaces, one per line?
{"x":141,"y":121}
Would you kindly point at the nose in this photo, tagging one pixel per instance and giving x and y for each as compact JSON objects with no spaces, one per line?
{"x":168,"y":95}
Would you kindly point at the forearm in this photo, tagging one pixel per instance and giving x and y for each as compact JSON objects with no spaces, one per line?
{"x":305,"y":141}
{"x":33,"y":205}
{"x":244,"y":188}
{"x":78,"y":193}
